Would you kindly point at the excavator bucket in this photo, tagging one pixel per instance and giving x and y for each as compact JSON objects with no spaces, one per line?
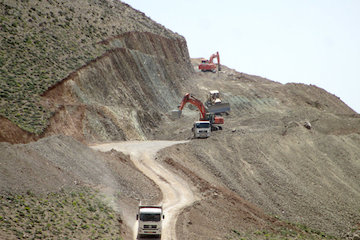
{"x":175,"y":114}
{"x":219,"y":108}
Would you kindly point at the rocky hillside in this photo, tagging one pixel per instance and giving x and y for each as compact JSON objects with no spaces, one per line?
{"x":123,"y":94}
{"x":45,"y":42}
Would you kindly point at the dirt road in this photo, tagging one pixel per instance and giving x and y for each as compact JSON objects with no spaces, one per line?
{"x":177,"y":194}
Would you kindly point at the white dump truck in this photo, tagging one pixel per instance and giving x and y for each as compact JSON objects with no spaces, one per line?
{"x":201,"y":129}
{"x":150,"y":220}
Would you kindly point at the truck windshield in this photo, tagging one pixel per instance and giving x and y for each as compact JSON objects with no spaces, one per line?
{"x":202,"y":125}
{"x":147,"y":217}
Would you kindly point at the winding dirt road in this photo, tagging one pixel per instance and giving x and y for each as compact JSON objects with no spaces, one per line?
{"x":177,"y":194}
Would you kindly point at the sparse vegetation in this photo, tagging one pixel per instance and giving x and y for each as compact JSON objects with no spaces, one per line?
{"x":77,"y":215}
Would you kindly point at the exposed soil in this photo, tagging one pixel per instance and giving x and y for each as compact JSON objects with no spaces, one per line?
{"x":10,"y":132}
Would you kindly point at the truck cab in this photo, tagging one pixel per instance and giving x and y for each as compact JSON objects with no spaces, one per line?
{"x":150,"y":220}
{"x":201,"y":129}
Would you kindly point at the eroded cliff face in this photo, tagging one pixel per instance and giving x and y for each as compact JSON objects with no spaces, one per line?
{"x":123,"y":94}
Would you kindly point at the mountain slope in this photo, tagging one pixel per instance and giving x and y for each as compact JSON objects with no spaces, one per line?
{"x":267,"y":155}
{"x":100,"y":71}
{"x":42,"y":42}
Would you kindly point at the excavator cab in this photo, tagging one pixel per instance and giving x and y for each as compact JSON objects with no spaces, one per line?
{"x":204,"y":61}
{"x":214,"y":97}
{"x":209,"y":65}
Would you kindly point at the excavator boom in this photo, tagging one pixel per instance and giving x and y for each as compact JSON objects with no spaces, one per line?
{"x":208,"y":65}
{"x":189,"y":98}
{"x":204,"y":113}
{"x":215,"y":55}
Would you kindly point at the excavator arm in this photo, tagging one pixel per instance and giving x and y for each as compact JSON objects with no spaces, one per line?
{"x":188,"y":98}
{"x":215,"y":55}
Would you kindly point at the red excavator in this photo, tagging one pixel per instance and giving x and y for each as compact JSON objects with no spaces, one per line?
{"x":208,"y":65}
{"x":207,"y":120}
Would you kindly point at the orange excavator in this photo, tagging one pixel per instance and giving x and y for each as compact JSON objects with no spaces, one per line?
{"x":207,"y":120}
{"x":209,"y":65}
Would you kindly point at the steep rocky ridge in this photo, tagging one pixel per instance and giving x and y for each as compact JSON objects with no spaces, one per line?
{"x":123,"y":94}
